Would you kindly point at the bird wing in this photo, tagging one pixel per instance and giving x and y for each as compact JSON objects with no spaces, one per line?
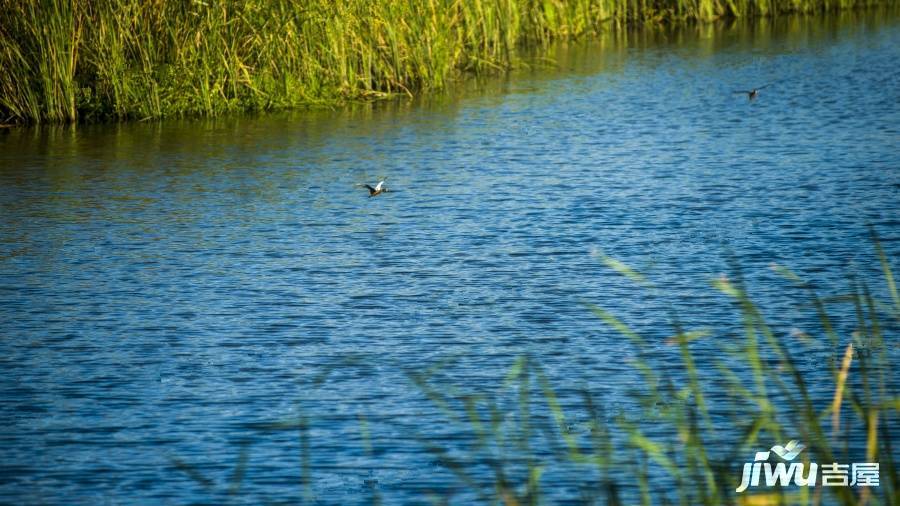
{"x":379,"y":185}
{"x":765,"y":86}
{"x":369,"y":187}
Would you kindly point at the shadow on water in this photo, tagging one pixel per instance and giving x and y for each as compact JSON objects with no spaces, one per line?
{"x":536,"y":71}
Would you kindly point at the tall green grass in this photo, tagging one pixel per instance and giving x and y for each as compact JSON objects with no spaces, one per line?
{"x":65,"y":60}
{"x":694,"y":428}
{"x":687,"y":430}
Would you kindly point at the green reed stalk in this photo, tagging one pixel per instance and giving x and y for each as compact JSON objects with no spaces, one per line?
{"x":680,"y":399}
{"x":66,"y":60}
{"x":668,"y":449}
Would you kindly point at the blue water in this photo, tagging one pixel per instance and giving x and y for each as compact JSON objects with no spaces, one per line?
{"x":170,"y":293}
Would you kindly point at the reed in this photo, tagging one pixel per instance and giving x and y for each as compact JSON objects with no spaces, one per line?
{"x":689,"y":429}
{"x":694,"y":428}
{"x":69,"y":60}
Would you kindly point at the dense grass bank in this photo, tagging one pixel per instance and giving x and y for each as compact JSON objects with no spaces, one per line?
{"x":69,"y":60}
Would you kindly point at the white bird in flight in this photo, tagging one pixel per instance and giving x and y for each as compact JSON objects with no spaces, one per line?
{"x":378,"y":190}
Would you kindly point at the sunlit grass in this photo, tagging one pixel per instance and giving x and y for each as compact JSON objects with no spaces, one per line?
{"x":65,"y":60}
{"x":687,"y":432}
{"x":699,"y":463}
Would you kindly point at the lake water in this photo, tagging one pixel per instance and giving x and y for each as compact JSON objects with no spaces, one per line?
{"x":169,"y":291}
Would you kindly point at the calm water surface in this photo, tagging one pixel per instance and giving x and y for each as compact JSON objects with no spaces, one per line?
{"x":167,"y":290}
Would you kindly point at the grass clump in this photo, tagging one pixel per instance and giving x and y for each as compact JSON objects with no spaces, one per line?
{"x":692,"y":428}
{"x":69,"y":60}
{"x":693,"y":420}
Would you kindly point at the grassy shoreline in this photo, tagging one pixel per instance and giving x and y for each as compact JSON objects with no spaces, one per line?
{"x":74,"y":60}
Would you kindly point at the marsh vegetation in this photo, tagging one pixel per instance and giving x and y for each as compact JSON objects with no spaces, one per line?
{"x":69,"y":60}
{"x":689,"y":429}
